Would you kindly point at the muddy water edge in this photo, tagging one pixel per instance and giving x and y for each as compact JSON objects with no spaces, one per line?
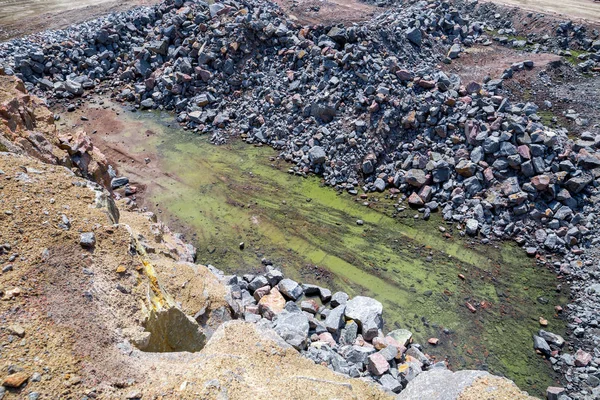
{"x":220,"y":196}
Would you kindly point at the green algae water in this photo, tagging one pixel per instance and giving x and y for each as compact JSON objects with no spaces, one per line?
{"x":220,"y":196}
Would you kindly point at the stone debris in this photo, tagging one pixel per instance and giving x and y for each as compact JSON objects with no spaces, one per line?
{"x":367,"y":108}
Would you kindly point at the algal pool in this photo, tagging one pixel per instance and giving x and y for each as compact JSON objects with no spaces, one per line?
{"x":220,"y":196}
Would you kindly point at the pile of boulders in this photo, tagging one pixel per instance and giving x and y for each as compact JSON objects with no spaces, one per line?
{"x":329,"y":328}
{"x":364,"y":106}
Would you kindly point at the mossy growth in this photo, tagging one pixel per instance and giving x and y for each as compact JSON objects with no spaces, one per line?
{"x":223,"y":195}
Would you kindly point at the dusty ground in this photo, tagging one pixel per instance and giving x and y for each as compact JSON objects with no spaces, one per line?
{"x":34,"y":16}
{"x":480,"y":61}
{"x":579,"y":9}
{"x":311,"y":12}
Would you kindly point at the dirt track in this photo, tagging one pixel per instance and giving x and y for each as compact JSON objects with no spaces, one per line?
{"x":584,"y":9}
{"x":29,"y":16}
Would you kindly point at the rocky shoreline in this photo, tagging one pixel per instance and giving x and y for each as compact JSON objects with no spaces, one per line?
{"x":368,"y":108}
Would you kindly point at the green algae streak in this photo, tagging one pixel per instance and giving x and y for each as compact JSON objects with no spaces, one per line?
{"x":223,"y":195}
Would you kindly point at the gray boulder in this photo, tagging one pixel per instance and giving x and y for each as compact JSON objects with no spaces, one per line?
{"x":335,"y":320}
{"x":317,"y":155}
{"x":440,"y":384}
{"x":293,"y":328}
{"x":367,"y":314}
{"x":290,"y":289}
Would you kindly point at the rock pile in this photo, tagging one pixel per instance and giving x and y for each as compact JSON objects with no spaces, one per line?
{"x":362,"y":105}
{"x":329,"y":328}
{"x":367,"y":108}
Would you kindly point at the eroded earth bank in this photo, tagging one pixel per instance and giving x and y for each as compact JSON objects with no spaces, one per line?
{"x":408,"y":192}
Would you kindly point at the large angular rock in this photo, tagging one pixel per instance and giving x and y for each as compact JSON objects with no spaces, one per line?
{"x":367,"y":314}
{"x":357,"y":354}
{"x":158,"y":47}
{"x":414,"y":35}
{"x":74,"y":88}
{"x":390,"y":383}
{"x":317,"y":155}
{"x":582,"y":358}
{"x":290,"y":289}
{"x":257,"y":282}
{"x":335,"y":320}
{"x":578,"y":183}
{"x":378,"y":365}
{"x":552,"y":338}
{"x":415,"y":177}
{"x":293,"y":328}
{"x":440,"y":384}
{"x":541,"y":345}
{"x":339,"y":298}
{"x":402,"y":336}
{"x":271,"y":304}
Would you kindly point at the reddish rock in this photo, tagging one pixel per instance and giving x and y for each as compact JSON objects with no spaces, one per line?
{"x":271,"y":304}
{"x":558,"y":309}
{"x":425,"y":193}
{"x":415,"y":200}
{"x":426,"y":84}
{"x":15,"y":380}
{"x":252,"y":309}
{"x":488,"y":174}
{"x":327,"y":338}
{"x":470,"y":307}
{"x":404,"y":75}
{"x":582,"y":358}
{"x":390,"y":341}
{"x":524,"y":152}
{"x":540,"y":182}
{"x":433,"y":341}
{"x":310,"y":306}
{"x":378,"y":365}
{"x":261,"y":292}
{"x":374,"y":107}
